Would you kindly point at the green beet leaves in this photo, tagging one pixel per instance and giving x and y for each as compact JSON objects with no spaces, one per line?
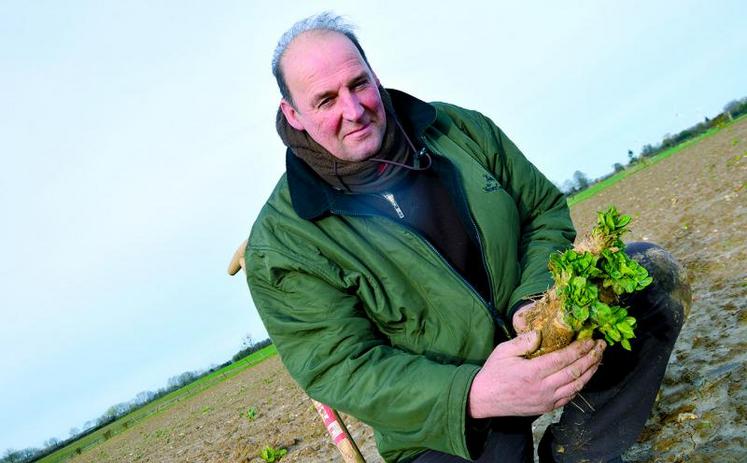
{"x":589,"y":283}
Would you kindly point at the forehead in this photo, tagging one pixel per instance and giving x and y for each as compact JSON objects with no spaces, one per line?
{"x":317,"y":59}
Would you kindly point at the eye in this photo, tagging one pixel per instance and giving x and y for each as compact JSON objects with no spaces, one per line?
{"x":324,"y":103}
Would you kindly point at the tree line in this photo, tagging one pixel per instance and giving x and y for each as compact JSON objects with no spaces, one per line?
{"x":578,"y":183}
{"x":121,"y":409}
{"x":735,"y":108}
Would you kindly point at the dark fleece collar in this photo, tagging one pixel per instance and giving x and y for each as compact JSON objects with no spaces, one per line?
{"x":314,"y":198}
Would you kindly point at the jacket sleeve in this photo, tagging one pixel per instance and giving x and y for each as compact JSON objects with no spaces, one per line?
{"x":546,"y":224}
{"x":332,"y":349}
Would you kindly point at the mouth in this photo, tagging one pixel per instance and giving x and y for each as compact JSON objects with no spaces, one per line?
{"x":360,"y":131}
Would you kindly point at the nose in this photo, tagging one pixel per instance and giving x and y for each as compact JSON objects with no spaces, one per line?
{"x":352,"y":109}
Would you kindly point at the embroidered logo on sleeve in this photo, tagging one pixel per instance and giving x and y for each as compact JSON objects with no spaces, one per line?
{"x":491,"y":184}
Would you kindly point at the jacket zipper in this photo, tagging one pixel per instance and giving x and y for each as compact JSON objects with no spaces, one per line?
{"x":393,"y":202}
{"x":489,"y":305}
{"x":465,"y":207}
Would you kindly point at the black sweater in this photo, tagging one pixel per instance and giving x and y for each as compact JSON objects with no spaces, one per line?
{"x":426,"y":205}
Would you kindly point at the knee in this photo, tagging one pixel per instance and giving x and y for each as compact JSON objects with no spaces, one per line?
{"x":670,"y":281}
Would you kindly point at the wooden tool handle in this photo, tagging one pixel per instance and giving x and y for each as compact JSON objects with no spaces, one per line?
{"x":332,"y":420}
{"x":339,"y":433}
{"x":237,"y":261}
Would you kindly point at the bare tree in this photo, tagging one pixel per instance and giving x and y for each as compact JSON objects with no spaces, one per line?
{"x":51,"y":442}
{"x":582,"y":181}
{"x":647,"y":150}
{"x":568,"y":187}
{"x":11,"y":456}
{"x":144,"y":397}
{"x":248,"y":341}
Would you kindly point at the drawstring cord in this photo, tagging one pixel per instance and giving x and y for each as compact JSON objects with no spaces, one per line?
{"x":416,"y":168}
{"x":423,"y":152}
{"x":418,"y":154}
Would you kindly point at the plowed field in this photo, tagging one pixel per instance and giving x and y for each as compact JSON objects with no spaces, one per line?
{"x":692,"y":203}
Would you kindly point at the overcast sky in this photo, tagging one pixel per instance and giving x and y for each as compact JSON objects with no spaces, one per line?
{"x":137,"y":146}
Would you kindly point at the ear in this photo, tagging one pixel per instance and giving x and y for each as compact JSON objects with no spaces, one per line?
{"x":291,"y":115}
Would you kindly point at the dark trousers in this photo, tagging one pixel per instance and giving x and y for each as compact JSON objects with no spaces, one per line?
{"x":621,"y":393}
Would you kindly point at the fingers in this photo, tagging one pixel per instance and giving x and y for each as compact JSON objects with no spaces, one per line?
{"x":569,"y":391}
{"x":520,"y":318}
{"x":569,"y":381}
{"x":519,"y":322}
{"x":562,"y":402}
{"x":524,"y":344}
{"x":562,"y":358}
{"x":576,"y":369}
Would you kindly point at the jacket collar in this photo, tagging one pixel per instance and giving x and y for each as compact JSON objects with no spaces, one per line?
{"x":415,"y":114}
{"x":313,"y":198}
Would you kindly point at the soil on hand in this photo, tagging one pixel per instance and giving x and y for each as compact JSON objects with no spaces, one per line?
{"x":692,"y":203}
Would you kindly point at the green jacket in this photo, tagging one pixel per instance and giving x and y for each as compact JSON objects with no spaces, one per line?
{"x":368,"y":317}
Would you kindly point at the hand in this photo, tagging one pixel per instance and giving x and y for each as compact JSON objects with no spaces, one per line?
{"x":520,"y":318}
{"x":510,"y":385}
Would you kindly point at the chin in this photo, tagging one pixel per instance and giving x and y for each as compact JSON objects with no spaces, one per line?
{"x":355,"y":156}
{"x":367,"y":151}
{"x":358,"y":157}
{"x":366,"y":155}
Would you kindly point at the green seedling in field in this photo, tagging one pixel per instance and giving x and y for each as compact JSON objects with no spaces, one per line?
{"x":734,"y":160}
{"x":589,"y":280}
{"x":251,"y":414}
{"x":271,"y":454}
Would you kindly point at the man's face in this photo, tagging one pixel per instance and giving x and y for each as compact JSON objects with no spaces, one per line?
{"x":336,"y":95}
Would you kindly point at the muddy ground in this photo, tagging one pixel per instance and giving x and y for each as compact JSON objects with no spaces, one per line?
{"x":692,"y":203}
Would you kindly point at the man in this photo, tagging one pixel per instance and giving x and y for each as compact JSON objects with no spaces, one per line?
{"x":393,"y":262}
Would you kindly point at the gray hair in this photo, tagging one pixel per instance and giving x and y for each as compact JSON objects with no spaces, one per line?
{"x":325,"y":21}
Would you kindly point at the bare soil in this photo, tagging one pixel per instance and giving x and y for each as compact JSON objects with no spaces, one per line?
{"x":693,"y":204}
